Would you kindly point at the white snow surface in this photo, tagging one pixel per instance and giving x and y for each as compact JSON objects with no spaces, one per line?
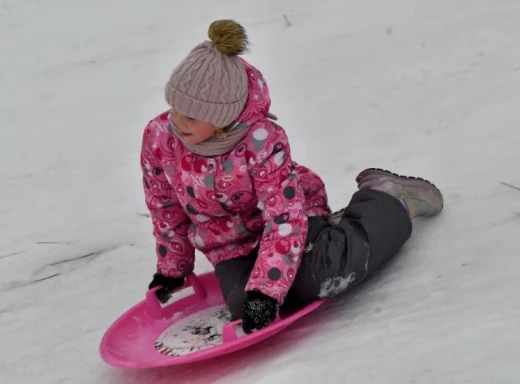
{"x":430,"y":89}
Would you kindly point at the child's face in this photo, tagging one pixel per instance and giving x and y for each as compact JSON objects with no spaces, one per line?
{"x":193,"y":131}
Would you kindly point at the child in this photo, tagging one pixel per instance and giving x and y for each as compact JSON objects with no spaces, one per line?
{"x":218,"y":177}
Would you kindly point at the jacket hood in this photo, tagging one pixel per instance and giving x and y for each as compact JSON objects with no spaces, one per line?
{"x":259,"y":100}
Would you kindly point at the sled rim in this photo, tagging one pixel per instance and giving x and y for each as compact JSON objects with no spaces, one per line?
{"x":230,"y":344}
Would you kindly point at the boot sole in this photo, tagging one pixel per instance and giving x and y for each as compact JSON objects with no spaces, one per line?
{"x":410,"y":181}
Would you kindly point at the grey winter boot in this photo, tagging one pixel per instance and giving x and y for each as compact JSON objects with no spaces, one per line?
{"x":419,"y":196}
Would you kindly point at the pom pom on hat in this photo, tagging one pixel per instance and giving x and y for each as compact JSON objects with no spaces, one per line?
{"x":229,"y":37}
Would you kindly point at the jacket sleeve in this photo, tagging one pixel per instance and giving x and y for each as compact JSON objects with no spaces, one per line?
{"x":281,"y":200}
{"x":175,"y":255}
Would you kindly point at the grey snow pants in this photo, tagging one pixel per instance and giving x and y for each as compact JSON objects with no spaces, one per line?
{"x":372,"y":229}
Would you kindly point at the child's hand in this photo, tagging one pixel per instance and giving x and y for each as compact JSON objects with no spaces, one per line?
{"x":258,"y":311}
{"x":168,"y":286}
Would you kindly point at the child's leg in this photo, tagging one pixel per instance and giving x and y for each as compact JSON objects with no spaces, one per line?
{"x":346,"y":248}
{"x":369,"y":232}
{"x":233,"y":276}
{"x":366,"y":234}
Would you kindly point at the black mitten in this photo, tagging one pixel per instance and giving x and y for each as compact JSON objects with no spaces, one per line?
{"x":168,"y":286}
{"x":258,"y":311}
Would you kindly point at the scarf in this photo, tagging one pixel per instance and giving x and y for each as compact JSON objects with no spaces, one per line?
{"x":216,"y":145}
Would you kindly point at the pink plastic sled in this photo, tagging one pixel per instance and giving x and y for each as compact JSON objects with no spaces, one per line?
{"x":193,"y":328}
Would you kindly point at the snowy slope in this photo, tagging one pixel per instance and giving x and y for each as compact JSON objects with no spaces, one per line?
{"x":422,"y":88}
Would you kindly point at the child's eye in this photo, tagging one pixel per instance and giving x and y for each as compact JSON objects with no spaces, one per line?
{"x":190,"y":118}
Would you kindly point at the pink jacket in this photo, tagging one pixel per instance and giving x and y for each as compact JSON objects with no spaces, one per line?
{"x":226,"y":206}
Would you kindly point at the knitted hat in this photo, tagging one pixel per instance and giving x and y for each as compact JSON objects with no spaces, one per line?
{"x":210,"y":84}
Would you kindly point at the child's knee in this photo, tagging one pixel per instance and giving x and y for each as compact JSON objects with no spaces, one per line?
{"x":323,"y":262}
{"x":235,"y":301}
{"x":233,"y":276}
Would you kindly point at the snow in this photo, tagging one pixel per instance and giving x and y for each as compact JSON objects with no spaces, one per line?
{"x":334,"y":286}
{"x":430,"y":89}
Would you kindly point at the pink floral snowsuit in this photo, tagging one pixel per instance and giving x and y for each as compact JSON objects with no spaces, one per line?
{"x":226,"y":206}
